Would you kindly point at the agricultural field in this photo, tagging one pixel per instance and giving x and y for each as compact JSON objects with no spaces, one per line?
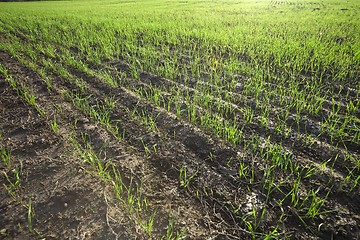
{"x":213,"y":119}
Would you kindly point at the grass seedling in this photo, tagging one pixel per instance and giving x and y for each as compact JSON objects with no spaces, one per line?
{"x":243,"y":171}
{"x":148,"y":226}
{"x":184,"y":178}
{"x":30,"y":215}
{"x":54,"y":126}
{"x":316,"y":204}
{"x":146,"y":148}
{"x":5,"y":156}
{"x":117,"y":183}
{"x":171,"y":233}
{"x":14,"y":180}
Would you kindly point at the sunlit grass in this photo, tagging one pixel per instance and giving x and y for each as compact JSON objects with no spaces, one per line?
{"x":265,"y":77}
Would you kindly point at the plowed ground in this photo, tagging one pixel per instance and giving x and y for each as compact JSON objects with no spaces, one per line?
{"x":70,"y":200}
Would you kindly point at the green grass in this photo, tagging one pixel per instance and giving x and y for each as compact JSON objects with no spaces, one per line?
{"x":266,"y":77}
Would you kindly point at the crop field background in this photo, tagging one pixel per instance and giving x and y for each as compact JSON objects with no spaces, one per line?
{"x":213,"y":119}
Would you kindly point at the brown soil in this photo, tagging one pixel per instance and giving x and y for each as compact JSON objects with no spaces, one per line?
{"x":68,"y":198}
{"x":71,"y":201}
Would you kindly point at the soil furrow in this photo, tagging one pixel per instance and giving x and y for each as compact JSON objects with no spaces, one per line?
{"x":113,"y":148}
